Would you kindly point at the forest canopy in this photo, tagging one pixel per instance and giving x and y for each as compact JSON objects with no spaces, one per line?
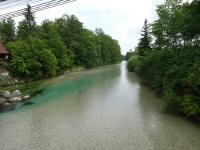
{"x":40,"y":51}
{"x":168,"y":56}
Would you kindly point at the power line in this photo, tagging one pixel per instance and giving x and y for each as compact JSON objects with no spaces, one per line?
{"x":7,"y":3}
{"x":33,"y":7}
{"x":36,"y":8}
{"x":4,"y":4}
{"x":38,"y":4}
{"x":18,"y":3}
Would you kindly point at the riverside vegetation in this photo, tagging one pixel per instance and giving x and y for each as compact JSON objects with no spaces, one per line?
{"x":167,"y":57}
{"x":54,"y":47}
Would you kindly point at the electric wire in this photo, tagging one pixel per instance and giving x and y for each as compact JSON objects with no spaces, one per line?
{"x":19,"y":3}
{"x":36,"y":8}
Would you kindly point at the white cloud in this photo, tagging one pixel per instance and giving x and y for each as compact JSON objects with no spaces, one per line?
{"x":122,"y":20}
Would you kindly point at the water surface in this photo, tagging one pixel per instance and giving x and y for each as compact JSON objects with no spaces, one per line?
{"x":100,"y":109}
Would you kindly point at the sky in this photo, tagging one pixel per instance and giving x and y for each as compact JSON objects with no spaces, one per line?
{"x":123,"y":20}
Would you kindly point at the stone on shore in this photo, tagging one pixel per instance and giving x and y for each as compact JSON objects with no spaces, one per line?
{"x":6,"y":94}
{"x":16,"y":93}
{"x":8,"y":99}
{"x":2,"y":101}
{"x":26,"y":97}
{"x":6,"y":104}
{"x":15,"y":99}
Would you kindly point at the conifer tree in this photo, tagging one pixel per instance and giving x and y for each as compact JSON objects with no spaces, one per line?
{"x":27,"y":27}
{"x":144,"y":44}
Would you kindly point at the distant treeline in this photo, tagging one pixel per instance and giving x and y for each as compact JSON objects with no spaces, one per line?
{"x":168,"y":56}
{"x":40,"y":51}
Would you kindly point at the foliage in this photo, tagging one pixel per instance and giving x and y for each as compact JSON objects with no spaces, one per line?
{"x":110,"y":49}
{"x":171,"y":67}
{"x":134,"y":63}
{"x":40,"y":51}
{"x":27,"y":27}
{"x":144,"y":44}
{"x":129,"y":54}
{"x":7,"y":30}
{"x":31,"y":60}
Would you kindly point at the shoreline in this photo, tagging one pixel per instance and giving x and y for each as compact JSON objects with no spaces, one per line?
{"x":75,"y":69}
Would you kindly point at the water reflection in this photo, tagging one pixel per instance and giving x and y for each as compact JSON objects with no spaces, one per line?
{"x":165,"y":130}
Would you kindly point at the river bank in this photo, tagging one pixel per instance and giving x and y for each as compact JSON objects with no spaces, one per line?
{"x":31,"y":89}
{"x":9,"y":100}
{"x":9,"y":81}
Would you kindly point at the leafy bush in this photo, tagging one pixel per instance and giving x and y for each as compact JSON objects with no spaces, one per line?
{"x":133,"y":63}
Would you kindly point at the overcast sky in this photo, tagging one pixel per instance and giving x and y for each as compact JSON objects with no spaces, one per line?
{"x":122,"y":20}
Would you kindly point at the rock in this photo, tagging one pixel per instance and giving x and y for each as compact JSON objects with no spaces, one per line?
{"x":6,"y":104}
{"x":26,"y":97}
{"x":4,"y":76}
{"x":16,"y":93}
{"x":16,"y":81}
{"x":15,"y":99}
{"x":6,"y":94}
{"x":2,"y":101}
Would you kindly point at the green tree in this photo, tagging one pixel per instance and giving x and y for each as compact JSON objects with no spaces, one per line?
{"x":27,"y":27}
{"x":71,"y":32}
{"x":172,"y":69}
{"x":53,"y":47}
{"x":49,"y":34}
{"x":129,"y":54}
{"x":167,"y":28}
{"x":92,"y":48}
{"x":31,"y":59}
{"x":144,"y":44}
{"x":7,"y":30}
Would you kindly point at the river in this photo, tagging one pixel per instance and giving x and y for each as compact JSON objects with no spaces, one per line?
{"x":99,"y":109}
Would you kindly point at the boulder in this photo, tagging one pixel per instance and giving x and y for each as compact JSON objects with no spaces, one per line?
{"x":6,"y":104}
{"x":15,"y":99}
{"x":2,"y":101}
{"x":16,"y":93}
{"x":26,"y":97}
{"x":6,"y":94}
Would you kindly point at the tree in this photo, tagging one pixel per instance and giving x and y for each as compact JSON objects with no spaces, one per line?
{"x":92,"y":48}
{"x":129,"y":54}
{"x":144,"y":44}
{"x":71,"y":32}
{"x":48,"y":32}
{"x":7,"y":30}
{"x":31,"y":59}
{"x":167,"y":28}
{"x":53,"y":47}
{"x":27,"y":27}
{"x":172,"y":69}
